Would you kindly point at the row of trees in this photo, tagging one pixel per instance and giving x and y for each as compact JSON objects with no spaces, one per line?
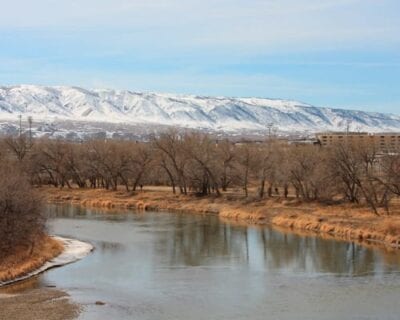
{"x":197,"y":163}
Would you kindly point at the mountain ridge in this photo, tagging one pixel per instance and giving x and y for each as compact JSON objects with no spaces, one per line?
{"x":46,"y":103}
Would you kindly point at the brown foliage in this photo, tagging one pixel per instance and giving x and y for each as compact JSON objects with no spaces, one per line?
{"x":21,"y":222}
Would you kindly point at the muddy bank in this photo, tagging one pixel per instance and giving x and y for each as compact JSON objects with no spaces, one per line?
{"x":39,"y":304}
{"x":340,"y":221}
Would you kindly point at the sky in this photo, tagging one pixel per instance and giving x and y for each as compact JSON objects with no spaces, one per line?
{"x":337,"y":53}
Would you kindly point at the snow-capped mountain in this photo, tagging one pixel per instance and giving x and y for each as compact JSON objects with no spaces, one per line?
{"x":211,"y":113}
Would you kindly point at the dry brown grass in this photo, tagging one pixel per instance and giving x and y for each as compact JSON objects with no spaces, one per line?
{"x":348,"y":222}
{"x":23,"y":261}
{"x":391,"y":227}
{"x":349,"y":225}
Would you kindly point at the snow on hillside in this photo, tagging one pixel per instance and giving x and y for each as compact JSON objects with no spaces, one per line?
{"x":211,"y":113}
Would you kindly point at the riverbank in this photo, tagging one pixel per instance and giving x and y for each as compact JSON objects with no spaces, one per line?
{"x":18,"y":303}
{"x":26,"y":260}
{"x":347,"y":222}
{"x":48,"y":253}
{"x":38,"y":304}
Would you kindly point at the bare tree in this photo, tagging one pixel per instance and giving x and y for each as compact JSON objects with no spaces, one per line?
{"x":170,"y":143}
{"x":202,"y":150}
{"x":226,"y":153}
{"x":244,"y":164}
{"x":21,"y":222}
{"x":19,"y":146}
{"x":308,"y":173}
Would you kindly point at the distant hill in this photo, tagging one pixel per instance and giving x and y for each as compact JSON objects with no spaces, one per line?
{"x":230,"y":115}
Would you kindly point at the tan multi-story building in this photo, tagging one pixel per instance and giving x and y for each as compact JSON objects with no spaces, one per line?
{"x":385,"y":142}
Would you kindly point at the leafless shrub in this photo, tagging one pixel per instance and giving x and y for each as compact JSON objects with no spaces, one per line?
{"x":21,"y":222}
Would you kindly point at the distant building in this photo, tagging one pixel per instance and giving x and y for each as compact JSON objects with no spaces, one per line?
{"x":385,"y":142}
{"x":303,"y":142}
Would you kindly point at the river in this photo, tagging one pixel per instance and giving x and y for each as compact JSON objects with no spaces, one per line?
{"x":182,"y":266}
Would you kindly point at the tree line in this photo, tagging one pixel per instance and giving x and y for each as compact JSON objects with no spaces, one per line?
{"x":198,"y":164}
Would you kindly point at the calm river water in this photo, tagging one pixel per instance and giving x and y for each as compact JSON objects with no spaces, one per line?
{"x":182,"y":266}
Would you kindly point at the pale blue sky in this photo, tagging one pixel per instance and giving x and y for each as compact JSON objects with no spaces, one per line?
{"x":340,"y":53}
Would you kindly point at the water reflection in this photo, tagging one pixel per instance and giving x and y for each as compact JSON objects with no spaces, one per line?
{"x":76,"y":212}
{"x":190,"y":240}
{"x":106,"y":246}
{"x":267,"y":249}
{"x":21,"y":286}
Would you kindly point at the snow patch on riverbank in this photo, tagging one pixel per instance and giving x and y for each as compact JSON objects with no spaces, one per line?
{"x":74,"y":250}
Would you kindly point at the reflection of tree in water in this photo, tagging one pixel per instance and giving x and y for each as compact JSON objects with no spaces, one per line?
{"x":64,"y":211}
{"x":319,"y":255}
{"x":25,"y":285}
{"x":108,"y":246}
{"x":195,"y":241}
{"x":76,"y":212}
{"x":313,"y":254}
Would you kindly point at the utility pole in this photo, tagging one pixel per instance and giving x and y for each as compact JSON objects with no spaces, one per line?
{"x":20,"y":125}
{"x":348,"y":123}
{"x":270,"y":125}
{"x":30,"y":120}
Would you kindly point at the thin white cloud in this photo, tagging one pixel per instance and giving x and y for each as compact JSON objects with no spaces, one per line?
{"x":251,"y":24}
{"x":191,"y":81}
